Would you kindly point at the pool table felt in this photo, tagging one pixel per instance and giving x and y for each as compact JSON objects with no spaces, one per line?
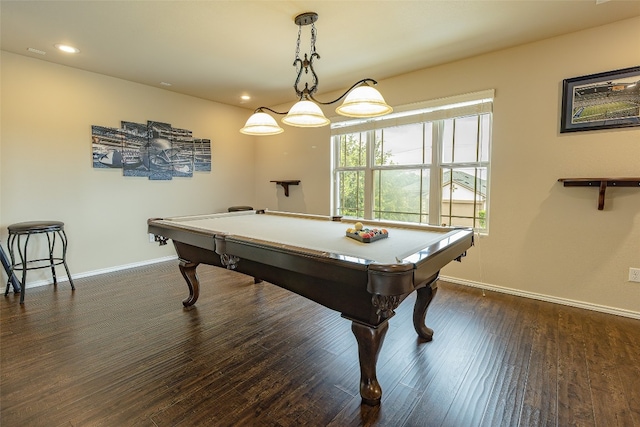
{"x":319,"y":234}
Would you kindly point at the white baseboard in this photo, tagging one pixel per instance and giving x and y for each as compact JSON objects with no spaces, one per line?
{"x":486,"y":286}
{"x":546,"y":298}
{"x":64,"y":278}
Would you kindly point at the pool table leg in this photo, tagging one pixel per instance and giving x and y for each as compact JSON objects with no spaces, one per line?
{"x":188,"y":270}
{"x":424,"y":297}
{"x":369,"y":343}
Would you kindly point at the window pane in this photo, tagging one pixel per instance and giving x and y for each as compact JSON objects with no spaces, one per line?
{"x":464,"y":197}
{"x":485,"y":136}
{"x":401,"y":195}
{"x":399,"y":145}
{"x":428,"y":143}
{"x":465,"y":139}
{"x":351,"y":196}
{"x":424,"y":200}
{"x":447,"y":141}
{"x":352,"y":150}
{"x":481,"y":198}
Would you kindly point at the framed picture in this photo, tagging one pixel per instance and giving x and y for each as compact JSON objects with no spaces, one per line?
{"x":601,"y":101}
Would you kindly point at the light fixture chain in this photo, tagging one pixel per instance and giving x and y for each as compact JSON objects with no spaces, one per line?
{"x":298,"y":44}
{"x":313,"y":38}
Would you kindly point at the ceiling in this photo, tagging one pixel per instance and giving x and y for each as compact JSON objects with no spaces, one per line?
{"x":220,"y":50}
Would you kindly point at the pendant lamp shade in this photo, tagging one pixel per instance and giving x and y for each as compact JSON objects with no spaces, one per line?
{"x":361,"y":99}
{"x":305,"y":114}
{"x":261,"y":124}
{"x":364,"y":101}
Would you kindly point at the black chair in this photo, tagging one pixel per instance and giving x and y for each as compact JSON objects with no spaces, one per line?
{"x":19,"y":235}
{"x":13,"y":280}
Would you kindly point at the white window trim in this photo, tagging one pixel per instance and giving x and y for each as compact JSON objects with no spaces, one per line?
{"x":425,"y":111}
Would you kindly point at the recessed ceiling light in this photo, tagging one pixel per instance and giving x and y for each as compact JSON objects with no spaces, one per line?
{"x":67,"y":48}
{"x":245,"y":97}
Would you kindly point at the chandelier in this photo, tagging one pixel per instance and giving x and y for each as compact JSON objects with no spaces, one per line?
{"x":360,"y":100}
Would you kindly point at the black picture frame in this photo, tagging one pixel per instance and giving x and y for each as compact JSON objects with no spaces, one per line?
{"x":600,"y":101}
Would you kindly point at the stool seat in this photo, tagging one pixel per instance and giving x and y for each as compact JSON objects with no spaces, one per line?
{"x":54,"y":231}
{"x":35,"y":227}
{"x":240,"y":208}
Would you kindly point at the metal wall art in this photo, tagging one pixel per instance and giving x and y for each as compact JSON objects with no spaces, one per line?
{"x":154,"y":150}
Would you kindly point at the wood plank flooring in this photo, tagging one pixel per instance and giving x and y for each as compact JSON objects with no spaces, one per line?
{"x":122,"y":351}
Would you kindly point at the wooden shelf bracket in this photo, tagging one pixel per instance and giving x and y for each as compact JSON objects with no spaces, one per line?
{"x":602,"y":184}
{"x":286,"y":183}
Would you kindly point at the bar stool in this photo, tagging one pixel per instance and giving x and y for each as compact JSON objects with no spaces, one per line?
{"x":53,"y":230}
{"x":239,"y":208}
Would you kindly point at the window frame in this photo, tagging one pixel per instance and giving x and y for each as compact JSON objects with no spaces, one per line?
{"x":436,"y":112}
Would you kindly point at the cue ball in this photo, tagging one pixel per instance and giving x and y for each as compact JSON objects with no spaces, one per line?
{"x":358,"y":226}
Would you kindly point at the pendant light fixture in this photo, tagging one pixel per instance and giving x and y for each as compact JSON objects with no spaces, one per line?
{"x":361,"y":99}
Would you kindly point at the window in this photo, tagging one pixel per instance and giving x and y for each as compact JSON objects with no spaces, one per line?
{"x":426,"y":163}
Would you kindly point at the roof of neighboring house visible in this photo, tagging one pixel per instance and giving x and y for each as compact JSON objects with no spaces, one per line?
{"x":465,"y":180}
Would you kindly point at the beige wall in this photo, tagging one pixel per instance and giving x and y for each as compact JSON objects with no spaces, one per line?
{"x":46,"y":169}
{"x":545,"y":240}
{"x":296,"y":154}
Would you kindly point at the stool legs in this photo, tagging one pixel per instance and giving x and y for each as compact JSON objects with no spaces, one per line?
{"x":51,"y":243}
{"x":15,"y":240}
{"x":12,"y":263}
{"x":63,"y":238}
{"x":11,"y":240}
{"x":22,"y":251}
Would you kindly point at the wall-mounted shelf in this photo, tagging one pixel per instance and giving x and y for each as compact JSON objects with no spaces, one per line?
{"x":601,"y":183}
{"x":286,"y":183}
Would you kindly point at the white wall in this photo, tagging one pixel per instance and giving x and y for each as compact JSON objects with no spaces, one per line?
{"x":46,"y":166}
{"x":545,"y":240}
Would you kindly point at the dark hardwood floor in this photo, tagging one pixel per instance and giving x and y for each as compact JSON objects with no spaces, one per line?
{"x":122,"y":351}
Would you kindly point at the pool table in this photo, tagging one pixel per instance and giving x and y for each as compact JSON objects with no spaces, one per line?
{"x":312,"y":256}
